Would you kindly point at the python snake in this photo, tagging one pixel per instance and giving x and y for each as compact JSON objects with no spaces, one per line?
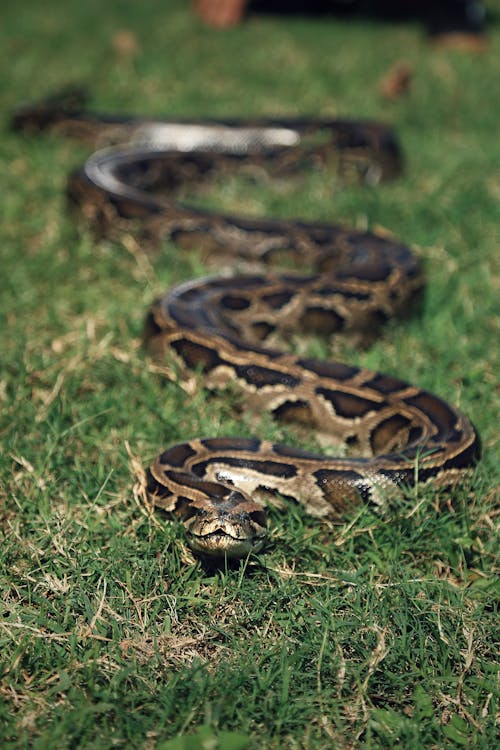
{"x":224,"y":328}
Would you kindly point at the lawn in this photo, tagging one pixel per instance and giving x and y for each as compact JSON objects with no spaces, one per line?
{"x":376,"y":633}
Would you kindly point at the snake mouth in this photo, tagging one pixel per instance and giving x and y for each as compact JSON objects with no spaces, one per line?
{"x":220,"y":544}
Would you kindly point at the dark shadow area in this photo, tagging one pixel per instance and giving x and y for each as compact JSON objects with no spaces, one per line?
{"x":445,"y":17}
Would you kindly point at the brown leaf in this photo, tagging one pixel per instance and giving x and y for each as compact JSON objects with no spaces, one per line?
{"x":125,"y":44}
{"x":397,"y":81}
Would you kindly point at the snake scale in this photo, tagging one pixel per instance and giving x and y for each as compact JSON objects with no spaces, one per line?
{"x":224,"y":328}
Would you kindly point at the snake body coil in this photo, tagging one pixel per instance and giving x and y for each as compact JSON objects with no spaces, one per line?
{"x":222,"y":327}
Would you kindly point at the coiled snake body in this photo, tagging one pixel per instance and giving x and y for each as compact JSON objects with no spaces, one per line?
{"x":221,"y":327}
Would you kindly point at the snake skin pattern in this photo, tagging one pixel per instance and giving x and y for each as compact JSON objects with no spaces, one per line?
{"x":224,"y":329}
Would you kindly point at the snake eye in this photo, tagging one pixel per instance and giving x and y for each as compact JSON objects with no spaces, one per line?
{"x":258,"y":517}
{"x":185,"y":509}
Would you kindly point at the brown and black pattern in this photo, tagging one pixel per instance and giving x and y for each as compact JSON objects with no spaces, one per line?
{"x":401,"y":434}
{"x":225,"y":329}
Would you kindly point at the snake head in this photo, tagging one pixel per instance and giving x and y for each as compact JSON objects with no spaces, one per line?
{"x":230,"y":527}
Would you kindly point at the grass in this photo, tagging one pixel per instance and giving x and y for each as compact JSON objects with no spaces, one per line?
{"x":379,"y":633}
